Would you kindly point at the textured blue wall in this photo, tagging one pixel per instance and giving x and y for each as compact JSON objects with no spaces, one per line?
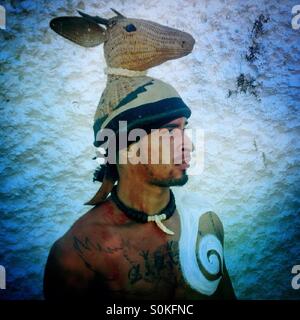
{"x":49,"y":90}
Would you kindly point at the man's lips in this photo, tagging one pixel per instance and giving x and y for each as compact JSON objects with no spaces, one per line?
{"x":183,"y":166}
{"x":184,"y":159}
{"x":183,"y":162}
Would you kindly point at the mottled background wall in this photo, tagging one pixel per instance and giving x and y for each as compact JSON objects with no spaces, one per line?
{"x":242,"y":82}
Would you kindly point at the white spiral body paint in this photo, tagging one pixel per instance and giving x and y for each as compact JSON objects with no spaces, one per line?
{"x":209,"y":254}
{"x":201,"y":262}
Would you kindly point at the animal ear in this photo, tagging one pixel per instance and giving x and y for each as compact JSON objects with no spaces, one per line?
{"x":79,"y":30}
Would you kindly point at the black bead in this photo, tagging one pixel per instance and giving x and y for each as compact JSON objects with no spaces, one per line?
{"x":130,"y":28}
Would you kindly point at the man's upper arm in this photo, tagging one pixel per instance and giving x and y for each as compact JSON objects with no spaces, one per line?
{"x":65,"y":276}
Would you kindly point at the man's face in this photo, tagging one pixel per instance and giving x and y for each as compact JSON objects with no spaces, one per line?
{"x":165,"y":155}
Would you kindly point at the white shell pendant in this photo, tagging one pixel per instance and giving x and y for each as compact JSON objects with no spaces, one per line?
{"x":157,"y":219}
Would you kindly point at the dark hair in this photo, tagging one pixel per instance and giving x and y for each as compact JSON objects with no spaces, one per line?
{"x":106,"y":169}
{"x":109,"y":169}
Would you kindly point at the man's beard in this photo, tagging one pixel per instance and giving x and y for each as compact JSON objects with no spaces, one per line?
{"x":171,"y":182}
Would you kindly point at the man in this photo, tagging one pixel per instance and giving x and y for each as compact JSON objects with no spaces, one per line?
{"x":127,"y":245}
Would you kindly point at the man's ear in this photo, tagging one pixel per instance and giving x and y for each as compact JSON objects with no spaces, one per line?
{"x":79,"y":30}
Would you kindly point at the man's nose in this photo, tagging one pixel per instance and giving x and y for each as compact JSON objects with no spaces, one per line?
{"x":188,"y":145}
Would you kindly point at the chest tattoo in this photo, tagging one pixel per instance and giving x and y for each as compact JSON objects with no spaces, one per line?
{"x":157,"y":266}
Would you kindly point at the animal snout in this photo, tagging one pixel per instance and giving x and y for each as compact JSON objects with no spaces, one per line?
{"x":188,"y":43}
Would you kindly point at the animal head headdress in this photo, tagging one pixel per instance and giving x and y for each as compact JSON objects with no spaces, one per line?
{"x":131,"y":46}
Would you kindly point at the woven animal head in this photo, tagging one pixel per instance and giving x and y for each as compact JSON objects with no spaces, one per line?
{"x":133,"y":44}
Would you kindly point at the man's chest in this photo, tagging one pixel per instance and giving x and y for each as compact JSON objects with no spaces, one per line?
{"x":145,"y":271}
{"x":141,"y":263}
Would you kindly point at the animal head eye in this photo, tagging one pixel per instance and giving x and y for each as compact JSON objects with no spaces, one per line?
{"x":130,"y":28}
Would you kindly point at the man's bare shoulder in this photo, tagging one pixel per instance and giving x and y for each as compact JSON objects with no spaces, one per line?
{"x":96,"y":225}
{"x":71,"y":262}
{"x":104,"y":215}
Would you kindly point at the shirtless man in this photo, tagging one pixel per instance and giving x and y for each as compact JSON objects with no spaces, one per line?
{"x":108,"y":255}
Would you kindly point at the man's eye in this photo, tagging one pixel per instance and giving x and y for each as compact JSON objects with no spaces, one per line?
{"x":130,"y":28}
